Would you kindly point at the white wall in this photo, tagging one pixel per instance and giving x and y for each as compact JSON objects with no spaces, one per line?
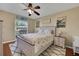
{"x":8,"y":26}
{"x":1,"y":46}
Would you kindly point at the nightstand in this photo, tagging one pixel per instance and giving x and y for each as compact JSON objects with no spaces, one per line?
{"x":59,"y":41}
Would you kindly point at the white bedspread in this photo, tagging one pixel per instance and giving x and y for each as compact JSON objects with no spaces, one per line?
{"x":39,"y":40}
{"x":32,"y":37}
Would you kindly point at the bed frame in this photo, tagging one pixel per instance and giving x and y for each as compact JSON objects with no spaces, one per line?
{"x":29,"y":48}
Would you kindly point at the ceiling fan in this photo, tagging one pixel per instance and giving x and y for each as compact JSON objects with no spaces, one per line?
{"x":30,"y":9}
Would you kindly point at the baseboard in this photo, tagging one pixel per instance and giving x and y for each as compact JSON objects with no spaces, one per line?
{"x":9,"y":41}
{"x":69,"y":47}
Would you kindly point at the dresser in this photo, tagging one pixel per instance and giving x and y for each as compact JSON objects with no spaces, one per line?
{"x":59,"y":41}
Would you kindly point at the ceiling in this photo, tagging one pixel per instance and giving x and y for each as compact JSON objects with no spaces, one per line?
{"x":46,"y":8}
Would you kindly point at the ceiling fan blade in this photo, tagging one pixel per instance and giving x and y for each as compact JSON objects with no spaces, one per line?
{"x":25,"y":9}
{"x":36,"y":12}
{"x":30,"y":5}
{"x":37,"y":7}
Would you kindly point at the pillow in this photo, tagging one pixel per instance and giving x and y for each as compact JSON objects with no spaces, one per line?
{"x":44,"y":31}
{"x":41,"y":31}
{"x":47,"y":31}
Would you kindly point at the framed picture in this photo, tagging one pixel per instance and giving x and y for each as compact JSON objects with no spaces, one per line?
{"x":61,"y":22}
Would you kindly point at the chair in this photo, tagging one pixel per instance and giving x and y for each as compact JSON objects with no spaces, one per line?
{"x":76,"y":44}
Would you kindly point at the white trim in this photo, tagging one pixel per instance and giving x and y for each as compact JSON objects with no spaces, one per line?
{"x":8,"y":41}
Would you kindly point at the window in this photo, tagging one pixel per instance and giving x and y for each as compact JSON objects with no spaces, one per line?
{"x":21,"y":25}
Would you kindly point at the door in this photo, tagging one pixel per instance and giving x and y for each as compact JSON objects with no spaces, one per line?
{"x":1,"y":45}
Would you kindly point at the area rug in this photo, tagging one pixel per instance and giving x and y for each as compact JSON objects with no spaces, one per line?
{"x":50,"y":51}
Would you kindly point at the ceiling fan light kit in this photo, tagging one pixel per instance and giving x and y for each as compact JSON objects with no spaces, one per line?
{"x":29,"y":11}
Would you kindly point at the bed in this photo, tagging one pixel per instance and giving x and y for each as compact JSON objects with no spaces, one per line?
{"x":33,"y":44}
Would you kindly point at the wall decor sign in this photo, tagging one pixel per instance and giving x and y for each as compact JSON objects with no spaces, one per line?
{"x":61,"y":22}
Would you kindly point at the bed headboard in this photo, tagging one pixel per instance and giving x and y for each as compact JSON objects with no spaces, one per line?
{"x":51,"y":28}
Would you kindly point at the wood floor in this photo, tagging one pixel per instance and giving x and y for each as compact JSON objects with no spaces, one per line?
{"x":7,"y":52}
{"x":69,"y":52}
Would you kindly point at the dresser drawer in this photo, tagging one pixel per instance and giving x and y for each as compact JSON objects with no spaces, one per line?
{"x":59,"y":41}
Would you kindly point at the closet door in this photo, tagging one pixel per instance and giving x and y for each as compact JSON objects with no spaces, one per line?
{"x":1,"y":45}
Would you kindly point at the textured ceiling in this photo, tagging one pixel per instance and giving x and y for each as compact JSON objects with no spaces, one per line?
{"x":46,"y":8}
